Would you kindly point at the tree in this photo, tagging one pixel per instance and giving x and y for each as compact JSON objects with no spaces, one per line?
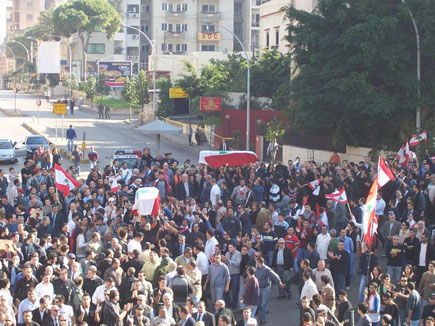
{"x":355,"y":63}
{"x":85,"y":17}
{"x":91,"y":89}
{"x":102,"y":88}
{"x":44,"y":28}
{"x":128,"y":91}
{"x":166,"y":105}
{"x":141,"y":89}
{"x":53,"y":80}
{"x":275,"y":130}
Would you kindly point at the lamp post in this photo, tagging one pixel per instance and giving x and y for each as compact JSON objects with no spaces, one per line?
{"x":417,"y":36}
{"x":28,"y":58}
{"x":153,"y":49}
{"x":228,"y":124}
{"x":248,"y":82}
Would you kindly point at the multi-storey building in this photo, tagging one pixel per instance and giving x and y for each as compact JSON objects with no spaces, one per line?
{"x":273,"y":24}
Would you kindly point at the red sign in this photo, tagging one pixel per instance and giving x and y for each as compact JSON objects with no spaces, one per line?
{"x":211,"y":103}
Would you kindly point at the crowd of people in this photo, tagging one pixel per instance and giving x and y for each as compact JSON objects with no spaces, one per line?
{"x":222,"y":238}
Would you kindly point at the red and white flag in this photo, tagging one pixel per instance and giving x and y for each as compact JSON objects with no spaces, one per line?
{"x":114,"y":184}
{"x":339,"y":196}
{"x":64,"y":181}
{"x":370,"y":220}
{"x":232,"y":158}
{"x":384,"y":173}
{"x":147,"y":201}
{"x":313,"y":184}
{"x":415,"y":140}
{"x":403,"y":154}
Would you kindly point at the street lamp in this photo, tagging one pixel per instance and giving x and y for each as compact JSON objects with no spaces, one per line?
{"x":153,"y":49}
{"x":417,"y":36}
{"x":228,"y":124}
{"x":248,"y":82}
{"x":25,"y":48}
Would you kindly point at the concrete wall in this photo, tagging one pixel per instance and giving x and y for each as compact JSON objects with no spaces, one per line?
{"x":353,"y":154}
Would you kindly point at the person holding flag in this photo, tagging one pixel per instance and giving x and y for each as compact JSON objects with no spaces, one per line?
{"x":64,"y":181}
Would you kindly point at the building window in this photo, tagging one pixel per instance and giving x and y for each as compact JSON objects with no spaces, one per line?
{"x":267,"y":39}
{"x":164,"y":6}
{"x":181,"y":48}
{"x":163,"y":47}
{"x":208,"y":28}
{"x":164,"y":27}
{"x":29,"y":17}
{"x":146,"y":8}
{"x":170,"y":27}
{"x":170,"y":7}
{"x":277,"y":37}
{"x":96,"y":48}
{"x":208,"y":8}
{"x":29,"y":5}
{"x":170,"y":47}
{"x":132,"y":31}
{"x":207,"y":48}
{"x":178,"y":28}
{"x":133,"y":9}
{"x":184,"y":27}
{"x":147,"y":48}
{"x":147,"y":28}
{"x":133,"y":51}
{"x":237,"y":8}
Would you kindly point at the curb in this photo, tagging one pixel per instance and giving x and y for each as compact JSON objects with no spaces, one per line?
{"x":13,"y":114}
{"x":196,"y":149}
{"x":52,"y":145}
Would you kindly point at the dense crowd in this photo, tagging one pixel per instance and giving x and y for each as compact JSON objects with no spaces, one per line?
{"x":222,"y":238}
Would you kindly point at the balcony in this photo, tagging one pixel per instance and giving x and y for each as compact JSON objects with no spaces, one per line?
{"x":175,"y":14}
{"x":133,"y":58}
{"x":174,"y":35}
{"x":133,"y":14}
{"x":209,"y":15}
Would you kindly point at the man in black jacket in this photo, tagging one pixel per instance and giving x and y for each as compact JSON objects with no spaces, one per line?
{"x":41,"y":313}
{"x":184,"y":188}
{"x":63,"y":286}
{"x":180,"y":286}
{"x":282,"y":261}
{"x":203,"y":315}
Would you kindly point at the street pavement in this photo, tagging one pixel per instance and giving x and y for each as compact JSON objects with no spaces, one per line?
{"x":104,"y":135}
{"x":108,"y":135}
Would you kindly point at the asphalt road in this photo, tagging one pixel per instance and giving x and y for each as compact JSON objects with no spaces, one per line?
{"x":108,"y":135}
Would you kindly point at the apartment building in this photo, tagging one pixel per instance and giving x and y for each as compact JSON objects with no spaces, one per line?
{"x":273,"y":24}
{"x":23,"y":14}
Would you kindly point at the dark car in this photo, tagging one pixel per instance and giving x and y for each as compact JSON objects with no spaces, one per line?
{"x":33,"y":142}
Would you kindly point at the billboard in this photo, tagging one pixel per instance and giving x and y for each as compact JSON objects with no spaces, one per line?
{"x":203,"y":36}
{"x":115,"y":72}
{"x":48,"y":58}
{"x":211,"y":103}
{"x":177,"y":93}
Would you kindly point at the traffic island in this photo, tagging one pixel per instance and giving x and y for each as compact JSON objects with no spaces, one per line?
{"x":10,"y":113}
{"x":63,"y":152}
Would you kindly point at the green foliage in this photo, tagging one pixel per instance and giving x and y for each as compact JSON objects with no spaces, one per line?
{"x":166,"y":105}
{"x":91,"y":88}
{"x":356,"y":69}
{"x":275,"y":130}
{"x":85,"y":17}
{"x":102,"y":88}
{"x":53,"y":79}
{"x":44,"y":28}
{"x":128,"y":90}
{"x":71,"y":83}
{"x":141,"y":86}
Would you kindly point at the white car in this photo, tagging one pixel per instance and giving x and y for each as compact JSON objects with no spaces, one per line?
{"x":7,"y":151}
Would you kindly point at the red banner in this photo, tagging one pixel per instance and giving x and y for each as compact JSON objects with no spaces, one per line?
{"x":211,"y":103}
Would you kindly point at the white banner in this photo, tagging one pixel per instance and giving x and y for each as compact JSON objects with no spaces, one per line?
{"x":49,"y":58}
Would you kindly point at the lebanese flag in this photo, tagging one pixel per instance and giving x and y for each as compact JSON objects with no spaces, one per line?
{"x":403,"y":154}
{"x":339,"y":196}
{"x":370,"y":220}
{"x":415,"y":140}
{"x":146,"y":201}
{"x":313,"y":184}
{"x":64,"y":181}
{"x":384,"y":173}
{"x":114,"y":184}
{"x":216,"y":159}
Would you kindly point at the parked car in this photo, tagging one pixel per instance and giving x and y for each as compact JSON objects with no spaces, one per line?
{"x":7,"y":151}
{"x":33,"y":142}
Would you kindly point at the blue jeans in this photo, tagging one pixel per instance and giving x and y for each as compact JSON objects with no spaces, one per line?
{"x":415,"y":322}
{"x":217,"y":293}
{"x":268,"y":258}
{"x":339,"y":282}
{"x":362,"y":286}
{"x":253,"y":308}
{"x":296,"y":266}
{"x":264,"y":302}
{"x":233,"y":294}
{"x":70,"y":144}
{"x":403,"y":314}
{"x":395,"y":272}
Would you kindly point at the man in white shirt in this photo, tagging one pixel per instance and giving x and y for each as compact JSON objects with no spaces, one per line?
{"x":135,"y":243}
{"x":98,"y":295}
{"x":201,"y":260}
{"x":29,"y":303}
{"x":45,"y":288}
{"x":210,"y":245}
{"x":310,"y":287}
{"x":322,"y":242}
{"x":380,"y":205}
{"x":215,"y":192}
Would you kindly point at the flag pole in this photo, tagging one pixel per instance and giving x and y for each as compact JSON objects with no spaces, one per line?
{"x":370,"y":255}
